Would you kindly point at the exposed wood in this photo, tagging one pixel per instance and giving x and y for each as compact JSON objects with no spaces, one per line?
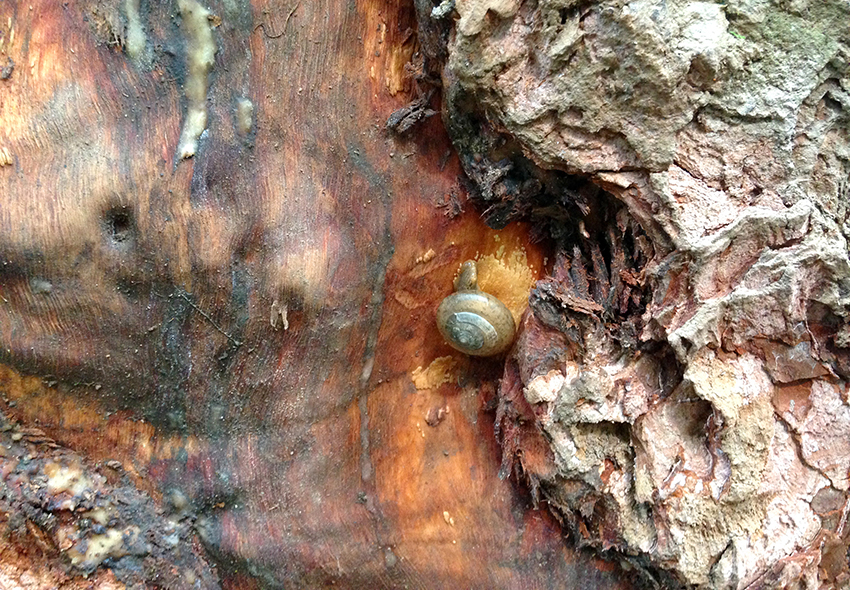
{"x":222,"y":273}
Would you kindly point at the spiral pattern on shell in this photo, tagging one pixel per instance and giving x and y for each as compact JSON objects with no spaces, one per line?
{"x":476,"y":323}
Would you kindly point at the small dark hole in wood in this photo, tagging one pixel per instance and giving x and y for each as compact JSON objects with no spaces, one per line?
{"x":119,"y":224}
{"x":132,"y":289}
{"x":564,"y":13}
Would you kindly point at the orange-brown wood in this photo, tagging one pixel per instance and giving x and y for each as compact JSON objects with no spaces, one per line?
{"x":155,"y":293}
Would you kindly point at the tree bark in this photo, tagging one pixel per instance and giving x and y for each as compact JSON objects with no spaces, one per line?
{"x":225,"y":230}
{"x":679,"y":389}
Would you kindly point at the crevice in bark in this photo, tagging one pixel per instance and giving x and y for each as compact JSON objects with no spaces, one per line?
{"x":623,"y":310}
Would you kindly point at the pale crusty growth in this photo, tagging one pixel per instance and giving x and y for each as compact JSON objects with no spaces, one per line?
{"x":244,"y":116}
{"x":444,"y":369}
{"x":507,"y":276}
{"x":136,"y":38}
{"x":200,"y":56}
{"x":66,"y":478}
{"x":109,"y":544}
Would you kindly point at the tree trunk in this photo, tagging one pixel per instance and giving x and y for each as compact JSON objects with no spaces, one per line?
{"x":225,"y":230}
{"x":682,"y":375}
{"x":224,"y":271}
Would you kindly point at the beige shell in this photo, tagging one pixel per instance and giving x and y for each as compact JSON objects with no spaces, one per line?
{"x":472,"y":321}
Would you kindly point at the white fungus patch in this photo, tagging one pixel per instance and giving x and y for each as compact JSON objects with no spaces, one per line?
{"x":93,"y":551}
{"x":200,"y":56}
{"x":66,"y":478}
{"x":88,"y":553}
{"x":100,"y":515}
{"x":244,"y":116}
{"x":136,"y":38}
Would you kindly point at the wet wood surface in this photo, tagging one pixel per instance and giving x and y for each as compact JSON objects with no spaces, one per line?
{"x":251,"y":329}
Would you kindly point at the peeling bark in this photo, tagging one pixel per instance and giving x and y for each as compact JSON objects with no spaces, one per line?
{"x":679,"y":389}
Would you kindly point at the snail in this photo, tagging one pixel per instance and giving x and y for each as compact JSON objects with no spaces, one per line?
{"x":472,"y":321}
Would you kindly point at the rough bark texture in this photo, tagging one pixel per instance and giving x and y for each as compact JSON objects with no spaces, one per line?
{"x":679,"y":388}
{"x":224,"y":268}
{"x":54,"y":504}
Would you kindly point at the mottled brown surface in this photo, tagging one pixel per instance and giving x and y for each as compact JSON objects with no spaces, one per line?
{"x":57,"y":508}
{"x":680,"y":390}
{"x":149,"y":292}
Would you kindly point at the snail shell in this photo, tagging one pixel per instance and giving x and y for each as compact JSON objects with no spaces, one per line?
{"x":472,"y":321}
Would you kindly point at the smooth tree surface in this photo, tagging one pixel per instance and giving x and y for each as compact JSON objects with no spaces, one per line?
{"x":219,"y":275}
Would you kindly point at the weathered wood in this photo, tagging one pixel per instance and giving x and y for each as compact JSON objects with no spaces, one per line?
{"x":224,"y":270}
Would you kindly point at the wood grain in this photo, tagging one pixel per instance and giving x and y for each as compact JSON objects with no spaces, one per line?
{"x":146,"y":290}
